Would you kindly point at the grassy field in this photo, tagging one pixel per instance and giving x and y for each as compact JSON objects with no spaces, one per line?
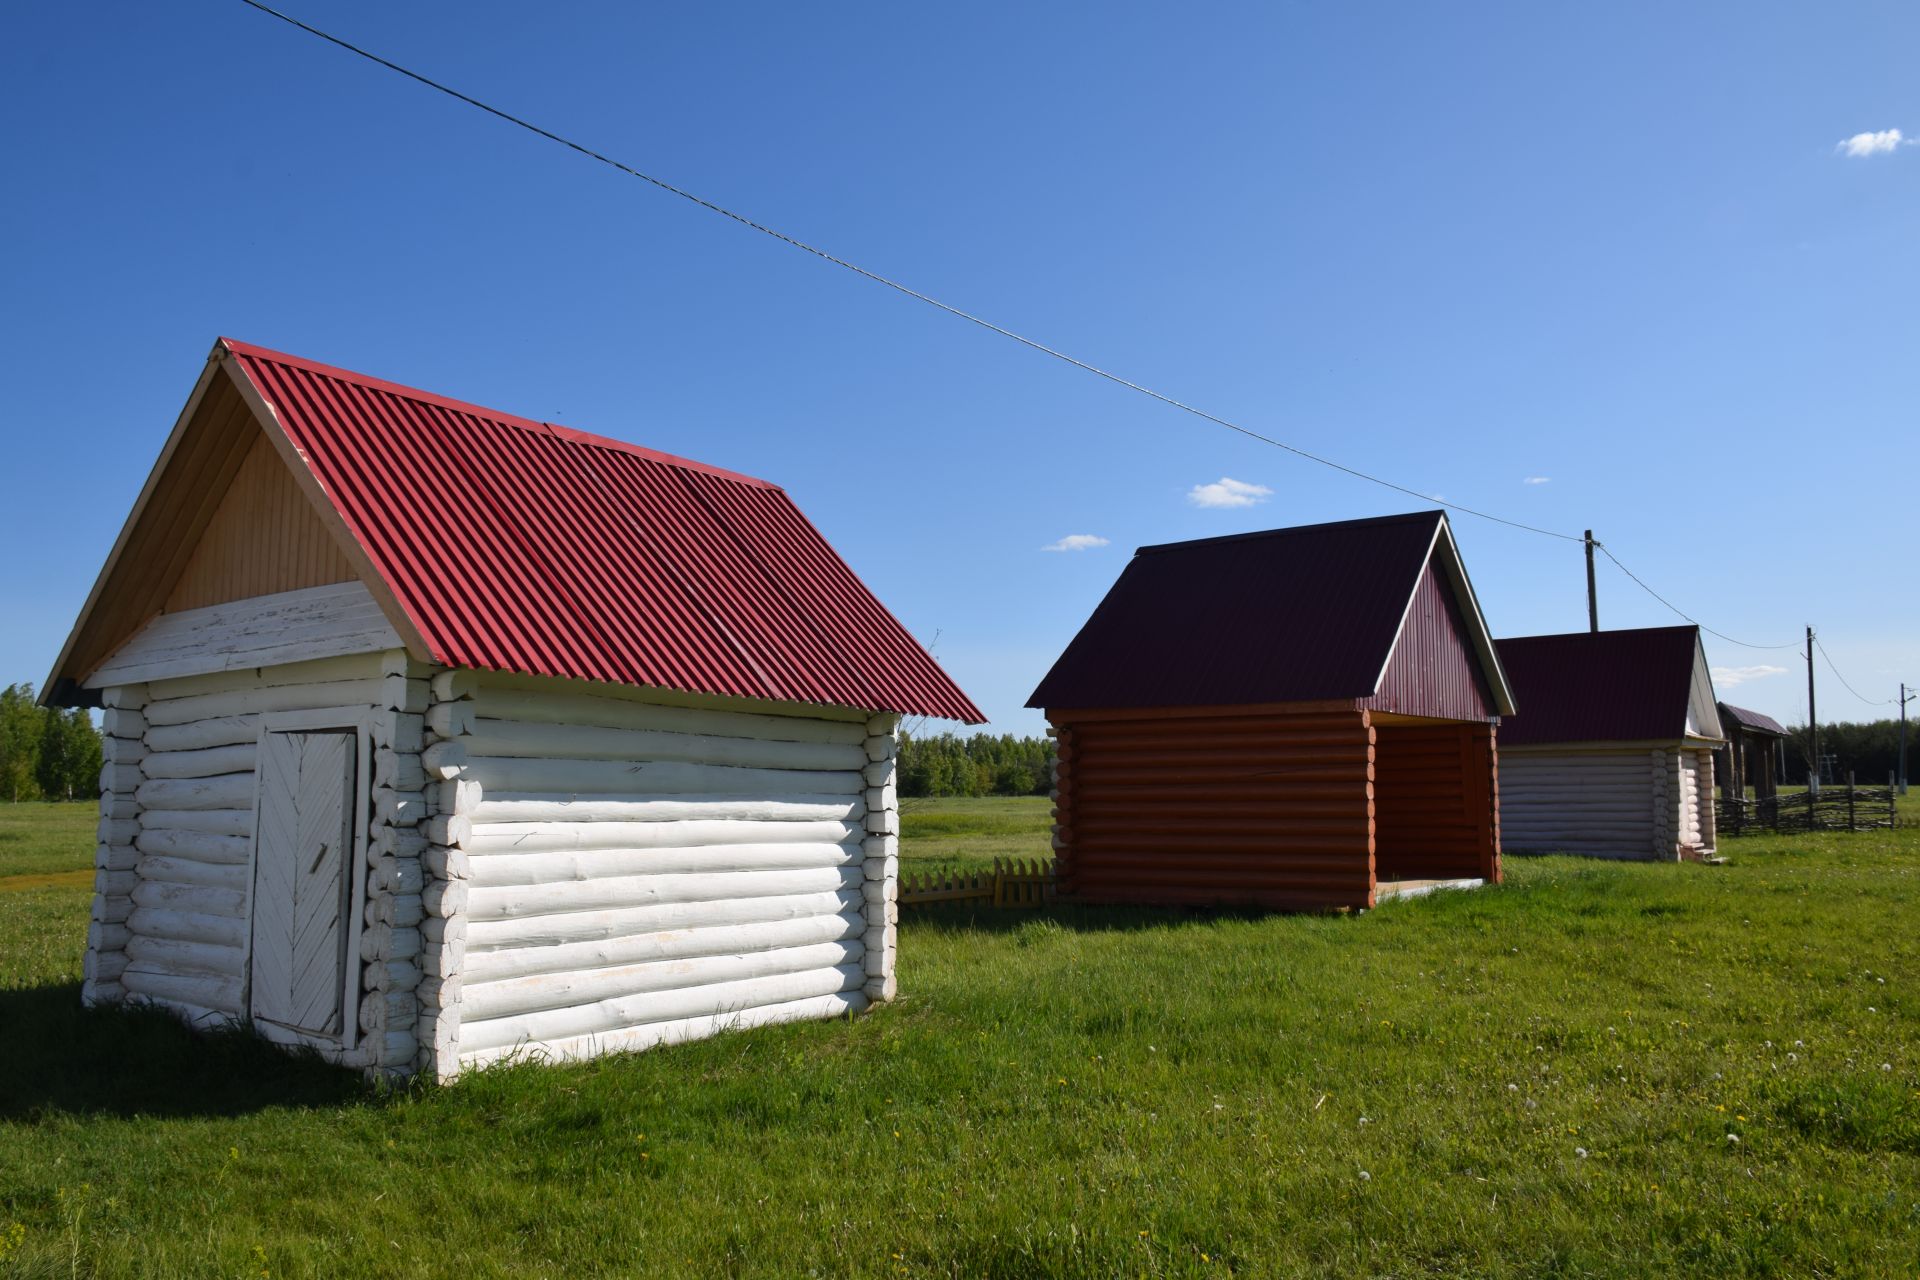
{"x":39,"y":838}
{"x":967,"y":835}
{"x":1595,"y":1070}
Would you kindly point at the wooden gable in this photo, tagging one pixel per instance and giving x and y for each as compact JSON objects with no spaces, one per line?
{"x":263,"y":538}
{"x":229,"y":513}
{"x":1433,"y":671}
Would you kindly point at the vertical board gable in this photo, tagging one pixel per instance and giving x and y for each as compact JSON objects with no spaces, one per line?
{"x":264,"y":538}
{"x":1433,"y":670}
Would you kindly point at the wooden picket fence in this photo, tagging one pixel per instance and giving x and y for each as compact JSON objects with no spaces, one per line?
{"x":1013,"y":882}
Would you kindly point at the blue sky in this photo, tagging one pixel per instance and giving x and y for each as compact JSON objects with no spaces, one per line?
{"x":1613,"y":249}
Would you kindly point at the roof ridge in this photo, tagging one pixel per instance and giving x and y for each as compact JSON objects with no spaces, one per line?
{"x":1605,"y":631}
{"x":1408,"y":517}
{"x":572,"y":435}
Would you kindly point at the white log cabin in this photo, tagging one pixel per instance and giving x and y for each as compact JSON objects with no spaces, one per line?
{"x":436,"y":735}
{"x":1611,"y":751}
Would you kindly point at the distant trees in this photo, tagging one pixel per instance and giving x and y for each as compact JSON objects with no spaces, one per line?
{"x":1870,"y":750}
{"x":980,"y":765}
{"x":46,"y":754}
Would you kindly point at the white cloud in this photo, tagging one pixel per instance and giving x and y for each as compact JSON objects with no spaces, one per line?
{"x":1226,"y":492}
{"x":1537,"y":480}
{"x":1872,"y":144}
{"x":1077,"y":542}
{"x":1727,"y":677}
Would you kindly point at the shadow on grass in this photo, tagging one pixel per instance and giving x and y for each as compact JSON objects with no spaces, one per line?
{"x":967,"y":918}
{"x":57,"y":1057}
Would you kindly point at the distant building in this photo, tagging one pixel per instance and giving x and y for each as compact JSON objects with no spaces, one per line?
{"x":1611,"y":753}
{"x":1754,"y":755}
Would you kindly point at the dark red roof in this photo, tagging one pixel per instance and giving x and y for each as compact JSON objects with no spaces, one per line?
{"x":1753,"y":720}
{"x":514,"y":545}
{"x":1285,"y":615}
{"x":1600,"y":686}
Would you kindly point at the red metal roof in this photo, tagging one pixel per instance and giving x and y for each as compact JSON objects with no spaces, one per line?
{"x":1285,"y":615}
{"x":1600,"y":686}
{"x":1753,"y":720}
{"x":514,"y":545}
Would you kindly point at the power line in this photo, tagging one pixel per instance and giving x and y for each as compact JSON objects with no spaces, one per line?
{"x":1677,"y":609}
{"x":968,"y":316}
{"x":1872,"y":702}
{"x":877,"y":278}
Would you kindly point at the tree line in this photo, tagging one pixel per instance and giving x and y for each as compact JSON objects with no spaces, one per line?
{"x":46,"y":754}
{"x":1869,"y":750}
{"x":979,"y":765}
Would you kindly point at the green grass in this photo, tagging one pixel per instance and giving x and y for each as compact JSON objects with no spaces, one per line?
{"x":1082,"y":1093}
{"x":968,"y":834}
{"x":44,"y":837}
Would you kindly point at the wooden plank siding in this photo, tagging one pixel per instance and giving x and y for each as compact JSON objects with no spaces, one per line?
{"x":261,"y":631}
{"x":263,"y":538}
{"x":183,"y":493}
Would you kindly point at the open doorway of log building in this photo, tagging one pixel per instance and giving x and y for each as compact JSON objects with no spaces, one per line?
{"x":1436,"y":793}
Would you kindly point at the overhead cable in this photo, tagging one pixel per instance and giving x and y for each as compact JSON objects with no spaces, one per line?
{"x":969,"y":317}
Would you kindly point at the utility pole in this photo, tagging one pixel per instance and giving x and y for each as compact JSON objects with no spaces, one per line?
{"x":1593,"y":598}
{"x":1813,"y":724}
{"x":1905,"y":698}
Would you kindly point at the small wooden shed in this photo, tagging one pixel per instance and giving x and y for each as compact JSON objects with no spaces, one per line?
{"x":1612,"y":751}
{"x":436,"y":735}
{"x":1299,"y":719}
{"x":1753,"y":755}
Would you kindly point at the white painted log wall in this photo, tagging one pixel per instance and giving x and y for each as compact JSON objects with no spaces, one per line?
{"x":636,"y":873}
{"x":1688,"y":791}
{"x":1580,"y":800}
{"x":191,"y":839}
{"x":104,"y":970}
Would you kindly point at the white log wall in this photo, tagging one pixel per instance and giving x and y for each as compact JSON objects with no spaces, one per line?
{"x":171,"y":906}
{"x":609,"y":872}
{"x":1630,"y":802}
{"x":116,"y":857}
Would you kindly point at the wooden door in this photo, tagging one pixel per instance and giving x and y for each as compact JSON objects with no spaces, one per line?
{"x":302,"y":879}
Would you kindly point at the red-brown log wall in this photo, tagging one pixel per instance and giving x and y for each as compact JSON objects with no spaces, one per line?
{"x":1254,"y":807}
{"x":1437,"y":813}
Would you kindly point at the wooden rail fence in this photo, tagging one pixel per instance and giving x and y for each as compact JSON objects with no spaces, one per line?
{"x":1848,"y":808}
{"x":1013,"y":882}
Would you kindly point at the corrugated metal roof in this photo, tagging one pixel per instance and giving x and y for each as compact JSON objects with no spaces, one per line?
{"x":1284,"y":615}
{"x":1600,"y":686}
{"x":1753,"y":720}
{"x":1432,"y":671}
{"x":514,"y":545}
